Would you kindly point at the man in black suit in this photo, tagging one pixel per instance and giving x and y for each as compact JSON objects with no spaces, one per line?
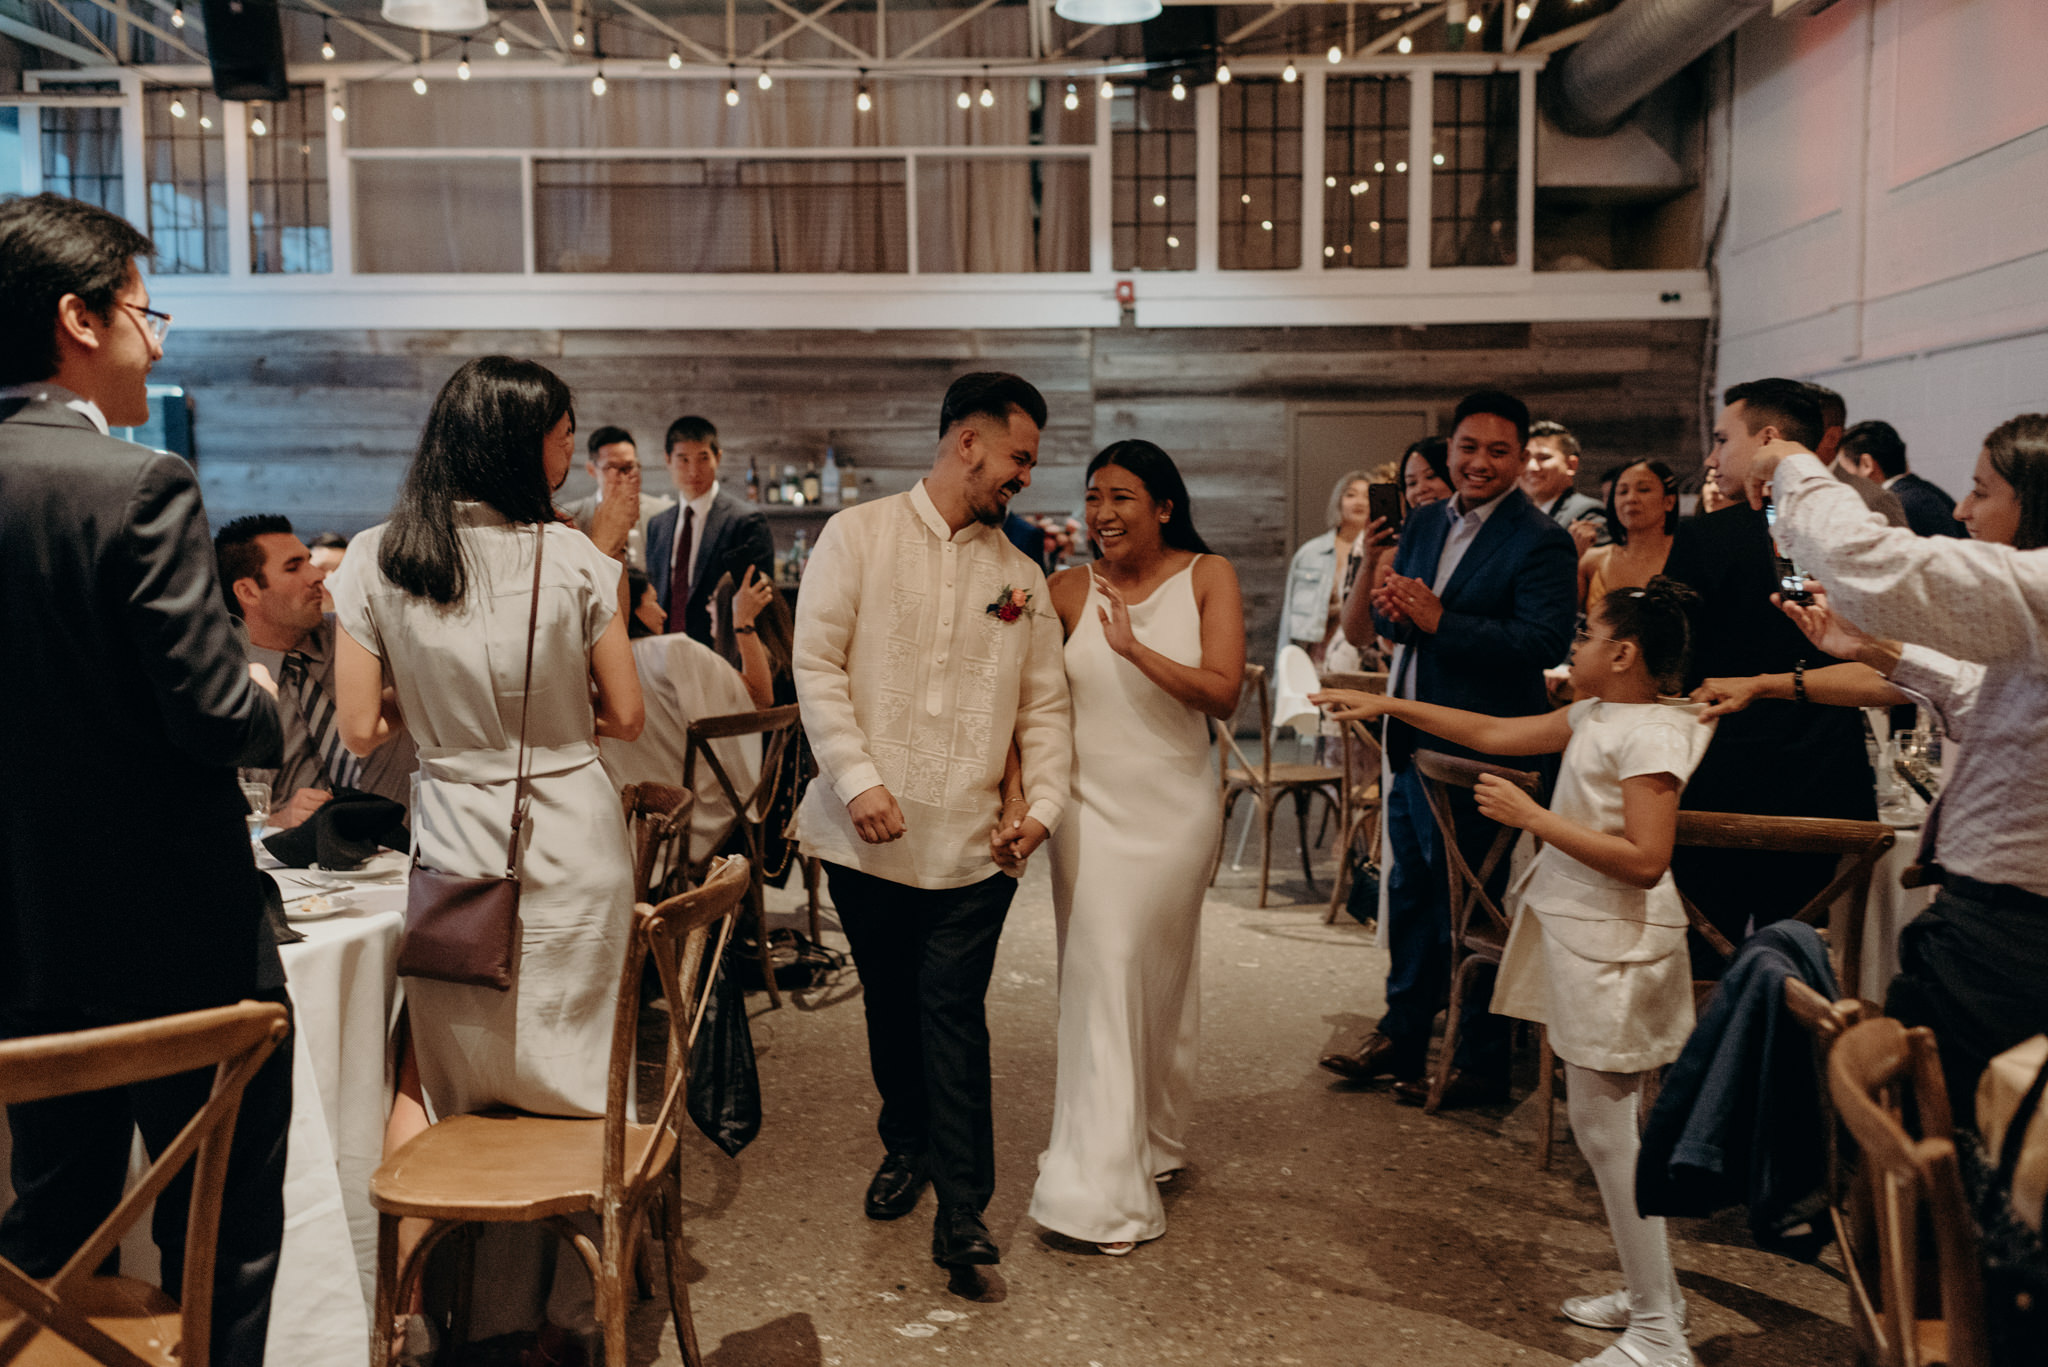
{"x":1778,"y":756}
{"x":709,"y":532}
{"x":1875,"y":451}
{"x":124,"y":674}
{"x":1834,"y":418}
{"x":1481,"y":601}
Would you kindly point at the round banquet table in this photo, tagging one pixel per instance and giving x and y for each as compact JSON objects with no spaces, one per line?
{"x":344,"y":994}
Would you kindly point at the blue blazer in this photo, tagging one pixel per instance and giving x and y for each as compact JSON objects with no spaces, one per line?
{"x":1508,"y":615}
{"x":734,"y":535}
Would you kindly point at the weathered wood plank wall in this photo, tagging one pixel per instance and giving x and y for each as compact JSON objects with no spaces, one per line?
{"x":319,"y":425}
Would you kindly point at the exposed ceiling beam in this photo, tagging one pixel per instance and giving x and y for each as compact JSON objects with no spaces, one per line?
{"x":85,"y":32}
{"x":561,"y":39}
{"x":675,"y":35}
{"x":1255,"y":25}
{"x":942,"y":30}
{"x":810,"y":21}
{"x":1565,"y":37}
{"x":160,"y":34}
{"x":47,"y":41}
{"x":1393,"y":35}
{"x":1083,"y":36}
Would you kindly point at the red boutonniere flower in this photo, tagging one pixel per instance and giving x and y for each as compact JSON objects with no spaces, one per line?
{"x":1010,"y":604}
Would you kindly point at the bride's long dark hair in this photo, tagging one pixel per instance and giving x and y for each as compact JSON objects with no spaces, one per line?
{"x":1161,"y":478}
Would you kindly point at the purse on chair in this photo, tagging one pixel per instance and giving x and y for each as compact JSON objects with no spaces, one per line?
{"x":466,"y":930}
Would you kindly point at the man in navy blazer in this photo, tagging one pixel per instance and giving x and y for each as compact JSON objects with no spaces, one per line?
{"x":1875,"y":451}
{"x":1482,"y":599}
{"x":717,"y":532}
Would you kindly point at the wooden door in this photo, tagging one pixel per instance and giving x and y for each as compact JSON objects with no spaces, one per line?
{"x":1330,"y":440}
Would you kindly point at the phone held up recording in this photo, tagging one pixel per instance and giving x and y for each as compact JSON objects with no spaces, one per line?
{"x":1791,"y":579}
{"x":1383,"y":501}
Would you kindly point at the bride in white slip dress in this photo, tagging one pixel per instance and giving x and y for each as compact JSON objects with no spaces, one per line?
{"x":1155,"y":646}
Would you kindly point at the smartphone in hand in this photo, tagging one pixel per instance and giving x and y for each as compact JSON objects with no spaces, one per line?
{"x":1383,"y":501}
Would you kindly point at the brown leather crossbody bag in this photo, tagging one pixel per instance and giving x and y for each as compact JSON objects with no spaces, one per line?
{"x":466,"y":930}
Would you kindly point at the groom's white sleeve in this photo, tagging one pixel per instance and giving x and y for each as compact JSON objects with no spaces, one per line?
{"x":825,"y":614}
{"x":1045,"y":719}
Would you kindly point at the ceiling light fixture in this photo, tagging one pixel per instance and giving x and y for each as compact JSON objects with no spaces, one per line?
{"x":675,"y":60}
{"x":1405,"y":46}
{"x":577,"y":38}
{"x":861,"y":99}
{"x":1106,"y":11}
{"x":1475,"y":23}
{"x":1335,"y":54}
{"x":764,"y":80}
{"x":598,"y":84}
{"x":177,"y":16}
{"x":1289,"y":74}
{"x":988,"y":95}
{"x":462,"y":67}
{"x":1223,"y":73}
{"x":1108,"y":91}
{"x":502,"y":47}
{"x":206,"y":121}
{"x":326,"y":43}
{"x":1180,"y":91}
{"x":732,"y":88}
{"x":1073,"y":100}
{"x":340,"y":114}
{"x":1523,"y":11}
{"x":256,"y":125}
{"x":963,"y":99}
{"x":419,"y":80}
{"x":438,"y":16}
{"x":177,"y":107}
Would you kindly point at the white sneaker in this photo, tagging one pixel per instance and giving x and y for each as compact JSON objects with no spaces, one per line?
{"x":1606,"y":1312}
{"x":1625,"y":1352}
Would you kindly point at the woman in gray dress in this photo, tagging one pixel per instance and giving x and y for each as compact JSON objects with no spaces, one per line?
{"x":433,"y":608}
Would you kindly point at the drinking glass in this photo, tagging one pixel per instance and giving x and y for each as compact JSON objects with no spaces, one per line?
{"x":257,"y":795}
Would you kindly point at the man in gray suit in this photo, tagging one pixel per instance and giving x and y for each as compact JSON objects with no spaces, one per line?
{"x":1553,"y":463}
{"x":124,"y":675}
{"x":615,"y":464}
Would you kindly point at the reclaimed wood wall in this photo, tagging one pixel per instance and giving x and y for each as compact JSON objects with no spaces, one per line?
{"x":319,"y":425}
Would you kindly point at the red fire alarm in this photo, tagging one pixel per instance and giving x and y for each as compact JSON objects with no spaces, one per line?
{"x":1126,"y":293}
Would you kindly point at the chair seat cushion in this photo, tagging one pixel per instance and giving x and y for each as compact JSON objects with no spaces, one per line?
{"x":500,"y":1165}
{"x":1285,"y":775}
{"x":132,"y":1313}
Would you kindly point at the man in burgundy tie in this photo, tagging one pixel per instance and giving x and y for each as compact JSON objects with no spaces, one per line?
{"x":707,"y":533}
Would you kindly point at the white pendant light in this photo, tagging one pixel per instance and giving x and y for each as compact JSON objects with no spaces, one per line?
{"x":440,"y":16}
{"x":1106,"y":11}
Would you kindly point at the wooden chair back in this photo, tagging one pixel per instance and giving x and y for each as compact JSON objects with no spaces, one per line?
{"x":1826,"y":1022}
{"x":776,"y":726}
{"x":75,"y":1309}
{"x":1258,"y":692}
{"x":675,"y":935}
{"x":1441,"y":773}
{"x":1878,"y":1071}
{"x":1859,"y":843}
{"x":658,"y":819}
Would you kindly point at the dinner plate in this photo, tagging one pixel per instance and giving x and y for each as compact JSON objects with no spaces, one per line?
{"x":384,"y":864}
{"x":318,"y":907}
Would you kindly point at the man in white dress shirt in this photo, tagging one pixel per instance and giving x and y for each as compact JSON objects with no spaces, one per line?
{"x":916,"y":663}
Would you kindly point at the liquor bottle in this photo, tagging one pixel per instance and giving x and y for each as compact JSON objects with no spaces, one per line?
{"x":849,"y":484}
{"x":813,"y":486}
{"x":773,"y":490}
{"x":753,"y":482}
{"x":828,"y":482}
{"x":799,"y":556}
{"x":792,"y":492}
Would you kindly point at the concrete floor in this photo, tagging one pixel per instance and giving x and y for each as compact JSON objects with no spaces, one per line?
{"x":1319,"y":1223}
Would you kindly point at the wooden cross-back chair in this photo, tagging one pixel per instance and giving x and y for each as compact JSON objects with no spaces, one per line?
{"x":1847,"y":1193}
{"x":752,"y":808}
{"x":503,"y":1166}
{"x":1479,"y":928}
{"x":1860,"y":844}
{"x":1360,"y":817}
{"x":658,"y":823}
{"x":1879,"y":1072}
{"x":74,"y":1315}
{"x":1268,"y":782}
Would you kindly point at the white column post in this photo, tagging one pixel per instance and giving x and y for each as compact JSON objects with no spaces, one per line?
{"x":910,"y":261}
{"x":527,"y":253}
{"x":1313,"y":137}
{"x":1101,"y":187}
{"x":134,"y":160}
{"x":234,"y":137}
{"x":341,"y":190}
{"x":1525,"y":173}
{"x":1208,"y":175}
{"x":1421,"y":117}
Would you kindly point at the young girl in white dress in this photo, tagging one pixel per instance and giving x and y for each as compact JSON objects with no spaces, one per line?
{"x":1597,"y":952}
{"x":1155,"y":647}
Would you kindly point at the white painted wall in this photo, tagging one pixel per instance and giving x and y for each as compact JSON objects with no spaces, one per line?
{"x":1888,"y":217}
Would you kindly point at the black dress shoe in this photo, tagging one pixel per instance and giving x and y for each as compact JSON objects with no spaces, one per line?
{"x":1461,"y":1089}
{"x":1375,"y":1058}
{"x":896,"y":1186}
{"x":960,"y":1239}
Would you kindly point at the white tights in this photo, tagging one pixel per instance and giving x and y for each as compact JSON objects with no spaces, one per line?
{"x":1603,"y":1112}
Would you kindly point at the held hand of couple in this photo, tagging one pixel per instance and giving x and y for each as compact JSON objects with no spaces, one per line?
{"x":1349,"y":704}
{"x":1500,"y":800}
{"x":1014,"y":839}
{"x":876,"y":817}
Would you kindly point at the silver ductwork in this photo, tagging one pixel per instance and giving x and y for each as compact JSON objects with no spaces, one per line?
{"x":1636,"y":48}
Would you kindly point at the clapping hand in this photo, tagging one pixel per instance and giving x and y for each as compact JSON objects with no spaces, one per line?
{"x":1502,"y":801}
{"x":1402,"y":599}
{"x":1350,"y":704}
{"x":1116,"y":619}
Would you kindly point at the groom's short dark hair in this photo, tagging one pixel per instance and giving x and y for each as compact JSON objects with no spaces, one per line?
{"x":990,"y":394}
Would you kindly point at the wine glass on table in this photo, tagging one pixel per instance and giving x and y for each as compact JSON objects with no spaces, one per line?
{"x":257,"y":795}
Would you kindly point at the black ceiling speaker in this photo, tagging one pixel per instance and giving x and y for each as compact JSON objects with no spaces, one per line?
{"x":1181,"y":41}
{"x":245,"y":47}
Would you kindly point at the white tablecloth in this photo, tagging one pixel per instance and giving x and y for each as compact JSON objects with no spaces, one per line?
{"x":1885,"y":914}
{"x":343,"y":992}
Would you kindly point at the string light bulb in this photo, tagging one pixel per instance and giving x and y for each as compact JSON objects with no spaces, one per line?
{"x":1405,"y":46}
{"x":1223,"y":73}
{"x":963,"y":99}
{"x":257,"y":127}
{"x":419,"y":83}
{"x":1290,"y":75}
{"x":675,"y":60}
{"x":1523,"y":11}
{"x":1335,"y":54}
{"x":863,"y":101}
{"x":764,"y":80}
{"x":177,"y":107}
{"x":177,"y":16}
{"x":462,"y":67}
{"x":1475,"y":23}
{"x":1073,"y":100}
{"x":1180,"y":92}
{"x":206,"y":120}
{"x":578,"y":38}
{"x":598,"y":85}
{"x":502,"y":46}
{"x":988,"y":95}
{"x":340,"y":114}
{"x":326,"y":43}
{"x":1108,"y":91}
{"x":732,"y":89}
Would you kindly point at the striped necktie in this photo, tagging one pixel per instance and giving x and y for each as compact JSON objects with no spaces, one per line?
{"x":341,"y":769}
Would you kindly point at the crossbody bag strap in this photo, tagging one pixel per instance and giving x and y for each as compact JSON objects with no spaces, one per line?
{"x":520,"y":799}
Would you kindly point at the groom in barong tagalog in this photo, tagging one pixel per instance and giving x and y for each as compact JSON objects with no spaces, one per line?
{"x":924,"y":642}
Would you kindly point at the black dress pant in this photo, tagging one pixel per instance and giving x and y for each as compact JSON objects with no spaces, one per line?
{"x":925,"y":956}
{"x":70,"y":1164}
